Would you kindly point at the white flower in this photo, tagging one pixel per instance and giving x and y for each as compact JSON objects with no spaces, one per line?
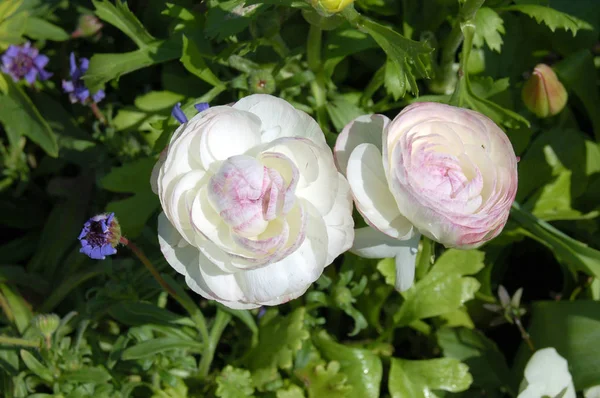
{"x":445,"y":172}
{"x":547,"y":374}
{"x":253,"y":206}
{"x":592,"y":392}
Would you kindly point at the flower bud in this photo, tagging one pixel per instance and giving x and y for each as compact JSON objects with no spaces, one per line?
{"x":331,"y":6}
{"x":261,"y":82}
{"x":87,"y":26}
{"x":46,"y":324}
{"x":543,"y":93}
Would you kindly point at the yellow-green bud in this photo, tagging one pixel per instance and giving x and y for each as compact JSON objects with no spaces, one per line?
{"x":331,"y":6}
{"x":543,"y":94}
{"x":46,"y":324}
{"x":261,"y":82}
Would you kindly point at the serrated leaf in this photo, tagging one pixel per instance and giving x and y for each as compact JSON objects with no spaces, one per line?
{"x":444,"y":289}
{"x":121,"y":17}
{"x":193,"y":61}
{"x":488,"y":28}
{"x":234,"y":383}
{"x":20,"y":115}
{"x":293,"y":391}
{"x":550,"y":17}
{"x":279,"y":339}
{"x":341,"y":43}
{"x":418,"y":379}
{"x":325,"y":380}
{"x":485,"y":86}
{"x":410,"y":59}
{"x":153,"y":347}
{"x":363,"y":367}
{"x":105,"y":67}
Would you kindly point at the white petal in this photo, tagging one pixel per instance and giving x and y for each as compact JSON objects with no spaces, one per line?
{"x":546,"y":367}
{"x":363,"y":129}
{"x":280,"y":119}
{"x":592,"y":392}
{"x":339,"y":222}
{"x":373,"y":197}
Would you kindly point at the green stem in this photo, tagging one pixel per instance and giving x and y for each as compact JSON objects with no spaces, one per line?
{"x":446,"y":75}
{"x":317,"y":86}
{"x":5,"y":340}
{"x":221,"y":321}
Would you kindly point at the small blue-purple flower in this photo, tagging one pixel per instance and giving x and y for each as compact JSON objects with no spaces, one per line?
{"x":75,"y":87}
{"x":100,"y":236}
{"x":25,"y":62}
{"x":178,"y":114}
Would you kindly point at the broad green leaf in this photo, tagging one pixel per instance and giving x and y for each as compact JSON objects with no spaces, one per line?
{"x":409,"y":59}
{"x":362,"y":367}
{"x":465,"y":96}
{"x":278,"y":340}
{"x":234,"y":383}
{"x":576,"y":72}
{"x":550,"y":17}
{"x":40,"y":29}
{"x":12,"y":22}
{"x":121,"y":17}
{"x":96,"y":375}
{"x":130,"y":177}
{"x":34,"y":365}
{"x":193,"y":61}
{"x":444,"y":289}
{"x":105,"y":67}
{"x":20,"y":115}
{"x":135,"y":313}
{"x":341,"y":111}
{"x":325,"y":380}
{"x":153,"y":347}
{"x":488,"y":28}
{"x":419,"y":379}
{"x":485,"y":86}
{"x":341,"y":43}
{"x":20,"y":314}
{"x":573,"y":328}
{"x":486,"y":363}
{"x":229,"y":18}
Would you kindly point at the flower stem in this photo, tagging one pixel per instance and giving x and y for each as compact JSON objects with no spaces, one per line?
{"x":98,"y":113}
{"x":221,"y":321}
{"x":444,"y":81}
{"x":317,"y":86}
{"x":524,"y":334}
{"x":6,"y":340}
{"x":142,"y":257}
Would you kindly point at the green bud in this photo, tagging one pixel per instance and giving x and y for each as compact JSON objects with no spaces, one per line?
{"x":331,"y":6}
{"x":261,"y":82}
{"x":543,"y":94}
{"x":46,"y":324}
{"x":88,"y":25}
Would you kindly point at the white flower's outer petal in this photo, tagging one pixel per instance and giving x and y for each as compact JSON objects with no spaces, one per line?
{"x":546,"y":373}
{"x":364,"y":129}
{"x":372,"y":195}
{"x":370,"y":243}
{"x":592,"y":392}
{"x":280,"y":119}
{"x":339,"y":222}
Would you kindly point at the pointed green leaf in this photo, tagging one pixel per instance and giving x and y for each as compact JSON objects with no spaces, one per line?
{"x":121,"y":17}
{"x":96,"y":375}
{"x":40,"y":29}
{"x":193,"y":61}
{"x":550,"y":17}
{"x":488,"y":28}
{"x":36,"y":366}
{"x":153,"y":347}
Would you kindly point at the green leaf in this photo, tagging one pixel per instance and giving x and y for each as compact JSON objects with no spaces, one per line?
{"x":121,"y":17}
{"x":573,"y":328}
{"x":387,"y":267}
{"x":36,"y":366}
{"x":96,"y":375}
{"x":418,"y":379}
{"x":325,"y":381}
{"x":20,"y":314}
{"x":193,"y":61}
{"x":293,"y":391}
{"x":134,"y":177}
{"x":228,"y":18}
{"x":362,"y":367}
{"x":341,"y":43}
{"x":15,"y":274}
{"x":105,"y":67}
{"x":246,"y":317}
{"x":488,"y":28}
{"x":552,"y":18}
{"x":233,"y":383}
{"x":153,"y":347}
{"x":444,"y":289}
{"x":279,"y":339}
{"x":20,"y":115}
{"x":134,"y":313}
{"x":407,"y":59}
{"x":40,"y":29}
{"x":486,"y":363}
{"x":12,"y":22}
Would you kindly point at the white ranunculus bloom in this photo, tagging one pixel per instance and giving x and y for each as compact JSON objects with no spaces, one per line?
{"x":445,"y":172}
{"x":547,"y":374}
{"x":253,"y":205}
{"x":592,"y":392}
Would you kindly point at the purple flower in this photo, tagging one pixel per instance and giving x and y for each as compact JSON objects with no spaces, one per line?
{"x":99,"y":236}
{"x":77,"y":91}
{"x":25,"y":62}
{"x":178,"y":114}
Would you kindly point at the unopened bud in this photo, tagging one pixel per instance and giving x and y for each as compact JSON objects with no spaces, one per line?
{"x":87,"y":26}
{"x":46,"y":324}
{"x":331,"y":6}
{"x":261,"y":82}
{"x":543,"y":93}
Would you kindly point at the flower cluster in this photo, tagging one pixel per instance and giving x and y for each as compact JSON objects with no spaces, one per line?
{"x":25,"y":62}
{"x":75,"y":87}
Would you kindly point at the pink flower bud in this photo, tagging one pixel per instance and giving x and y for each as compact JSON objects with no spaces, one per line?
{"x":543,"y":93}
